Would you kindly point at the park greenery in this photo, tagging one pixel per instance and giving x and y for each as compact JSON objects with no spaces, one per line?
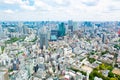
{"x":104,"y":52}
{"x":2,"y":48}
{"x":117,"y":46}
{"x":21,"y":52}
{"x":91,"y":60}
{"x":93,"y":52}
{"x":14,"y":39}
{"x":97,"y":72}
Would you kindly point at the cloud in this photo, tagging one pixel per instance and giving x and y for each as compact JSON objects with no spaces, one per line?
{"x":32,"y":8}
{"x":90,"y":2}
{"x":9,"y":1}
{"x":40,"y":5}
{"x":23,"y":4}
{"x":61,"y":9}
{"x":26,"y":5}
{"x":9,"y":11}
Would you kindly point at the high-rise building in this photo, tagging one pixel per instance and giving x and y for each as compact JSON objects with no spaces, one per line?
{"x":70,"y":25}
{"x":48,"y":34}
{"x":1,"y":32}
{"x":88,"y":24}
{"x":54,"y":35}
{"x":103,"y":36}
{"x":43,"y":38}
{"x":25,"y":29}
{"x":54,"y":32}
{"x":20,"y":27}
{"x":61,"y":30}
{"x":75,"y":26}
{"x":0,"y":29}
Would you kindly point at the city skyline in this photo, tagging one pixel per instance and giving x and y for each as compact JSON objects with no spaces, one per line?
{"x":57,"y":50}
{"x":60,"y":10}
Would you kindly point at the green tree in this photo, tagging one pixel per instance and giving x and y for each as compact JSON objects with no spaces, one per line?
{"x":91,"y":60}
{"x":110,"y":74}
{"x":2,"y":48}
{"x":117,"y":46}
{"x":102,"y":66}
{"x":104,"y":52}
{"x":113,"y":79}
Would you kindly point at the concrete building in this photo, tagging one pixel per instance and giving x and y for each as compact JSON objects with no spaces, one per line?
{"x":4,"y":74}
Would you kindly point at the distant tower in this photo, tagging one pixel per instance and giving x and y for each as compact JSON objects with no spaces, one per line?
{"x":25,"y":29}
{"x":20,"y":27}
{"x":70,"y":25}
{"x":103,"y":37}
{"x":1,"y":31}
{"x":75,"y":26}
{"x":54,"y":35}
{"x":43,"y":38}
{"x":87,"y":24}
{"x":61,"y":30}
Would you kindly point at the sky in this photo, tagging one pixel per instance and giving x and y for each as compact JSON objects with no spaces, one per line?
{"x":60,"y":10}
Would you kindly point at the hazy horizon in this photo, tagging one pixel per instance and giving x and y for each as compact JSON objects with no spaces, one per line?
{"x":59,"y":10}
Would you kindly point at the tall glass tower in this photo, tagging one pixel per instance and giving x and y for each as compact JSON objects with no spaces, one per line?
{"x":43,"y":38}
{"x":61,"y":30}
{"x":70,"y":25}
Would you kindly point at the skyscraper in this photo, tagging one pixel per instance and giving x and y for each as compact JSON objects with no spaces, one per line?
{"x":1,"y":32}
{"x":103,"y":36}
{"x":20,"y":27}
{"x":61,"y":30}
{"x":43,"y":38}
{"x":25,"y":29}
{"x":70,"y":25}
{"x":88,"y":24}
{"x":54,"y":35}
